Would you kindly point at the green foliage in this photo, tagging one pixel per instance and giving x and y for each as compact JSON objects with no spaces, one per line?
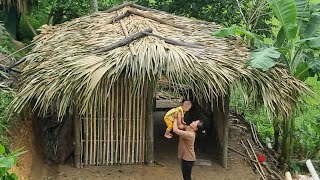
{"x":307,"y":142}
{"x":225,"y":12}
{"x":5,"y":99}
{"x":6,"y":47}
{"x":264,"y":59}
{"x":7,"y":161}
{"x":286,"y":13}
{"x":260,"y":118}
{"x":307,"y":131}
{"x":297,"y":39}
{"x":237,"y":31}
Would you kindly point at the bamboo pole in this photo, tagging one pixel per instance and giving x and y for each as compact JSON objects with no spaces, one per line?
{"x":138,"y":127}
{"x":91,"y":136}
{"x":115,"y":8}
{"x":104,"y":123}
{"x":255,"y":165}
{"x":121,"y":117}
{"x":141,"y":124}
{"x":124,"y":41}
{"x":125,"y":151}
{"x":112,"y":120}
{"x":129,"y":121}
{"x":101,"y":119}
{"x":97,"y":110}
{"x":77,"y":138}
{"x":94,"y":131}
{"x":255,"y":156}
{"x":125,"y":31}
{"x":81,"y":141}
{"x":133,"y":127}
{"x":109,"y":126}
{"x":117,"y":122}
{"x":144,"y":121}
{"x":225,"y":105}
{"x":87,"y":140}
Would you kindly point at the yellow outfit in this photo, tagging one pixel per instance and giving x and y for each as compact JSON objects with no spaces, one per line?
{"x":169,"y":117}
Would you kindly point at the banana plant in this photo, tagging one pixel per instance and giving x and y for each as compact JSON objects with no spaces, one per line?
{"x":296,"y":45}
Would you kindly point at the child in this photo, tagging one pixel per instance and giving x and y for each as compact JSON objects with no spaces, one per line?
{"x":176,"y":113}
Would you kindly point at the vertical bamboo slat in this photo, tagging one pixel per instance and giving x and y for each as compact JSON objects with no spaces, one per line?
{"x":121,"y":118}
{"x":105,"y":125}
{"x":125,"y":120}
{"x":141,"y":125}
{"x":129,"y":122}
{"x":109,"y":126}
{"x":112,"y":132}
{"x":133,"y":128}
{"x":144,"y":121}
{"x":117,"y":122}
{"x":81,"y":141}
{"x":91,"y":136}
{"x":101,"y":118}
{"x":87,"y":139}
{"x":97,"y":108}
{"x":94,"y":132}
{"x":138,"y":128}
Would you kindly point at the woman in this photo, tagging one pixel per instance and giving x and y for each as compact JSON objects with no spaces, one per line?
{"x":186,"y":146}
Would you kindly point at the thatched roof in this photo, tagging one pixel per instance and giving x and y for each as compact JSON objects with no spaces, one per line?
{"x":73,"y":60}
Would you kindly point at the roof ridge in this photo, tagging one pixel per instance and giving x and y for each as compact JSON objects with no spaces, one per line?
{"x":130,"y":4}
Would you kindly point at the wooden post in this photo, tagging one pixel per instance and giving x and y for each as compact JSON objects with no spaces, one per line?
{"x":225,"y":127}
{"x":77,"y":138}
{"x":149,"y":124}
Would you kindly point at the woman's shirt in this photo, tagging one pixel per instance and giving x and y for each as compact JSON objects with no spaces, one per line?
{"x":186,"y":146}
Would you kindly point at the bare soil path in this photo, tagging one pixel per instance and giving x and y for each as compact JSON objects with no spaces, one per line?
{"x":32,"y":166}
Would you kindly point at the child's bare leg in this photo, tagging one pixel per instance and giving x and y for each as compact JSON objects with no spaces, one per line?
{"x":168,"y":134}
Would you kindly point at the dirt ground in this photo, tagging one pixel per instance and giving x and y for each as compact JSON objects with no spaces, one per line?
{"x":167,"y":166}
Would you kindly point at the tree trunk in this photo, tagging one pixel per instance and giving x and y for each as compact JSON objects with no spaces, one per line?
{"x":149,"y":124}
{"x":276,"y":129}
{"x":77,"y":138}
{"x":11,"y":19}
{"x":94,"y":4}
{"x":26,"y":18}
{"x":287,"y":140}
{"x":57,"y":16}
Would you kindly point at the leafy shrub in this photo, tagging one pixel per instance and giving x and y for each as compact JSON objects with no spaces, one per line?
{"x":7,"y":161}
{"x":5,"y":99}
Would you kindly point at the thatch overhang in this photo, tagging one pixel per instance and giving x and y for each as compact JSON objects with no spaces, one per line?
{"x":71,"y":61}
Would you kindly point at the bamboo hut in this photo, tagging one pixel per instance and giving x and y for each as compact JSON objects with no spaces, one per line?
{"x":103,"y":69}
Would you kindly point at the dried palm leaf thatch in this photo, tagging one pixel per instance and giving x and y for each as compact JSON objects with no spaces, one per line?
{"x":67,"y":64}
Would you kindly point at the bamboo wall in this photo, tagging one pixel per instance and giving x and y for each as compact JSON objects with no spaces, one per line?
{"x":113,"y":130}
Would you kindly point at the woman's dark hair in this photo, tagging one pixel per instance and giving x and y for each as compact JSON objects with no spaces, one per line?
{"x":201,"y":126}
